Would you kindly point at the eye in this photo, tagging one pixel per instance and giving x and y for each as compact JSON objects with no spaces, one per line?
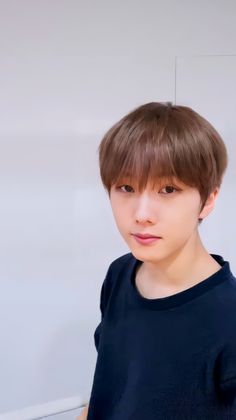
{"x":169,"y":189}
{"x":125,"y":186}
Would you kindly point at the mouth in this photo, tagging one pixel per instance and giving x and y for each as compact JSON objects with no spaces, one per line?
{"x":146,"y":240}
{"x":145,"y":236}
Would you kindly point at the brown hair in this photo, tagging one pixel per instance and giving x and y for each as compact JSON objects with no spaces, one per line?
{"x":161,"y":140}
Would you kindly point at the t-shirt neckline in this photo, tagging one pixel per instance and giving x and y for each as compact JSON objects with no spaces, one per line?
{"x":184,"y":296}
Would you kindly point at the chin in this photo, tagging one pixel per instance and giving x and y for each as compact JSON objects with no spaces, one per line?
{"x":148,"y":255}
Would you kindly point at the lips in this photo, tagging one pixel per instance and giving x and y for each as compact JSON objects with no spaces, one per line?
{"x":146,"y":239}
{"x":145,"y":235}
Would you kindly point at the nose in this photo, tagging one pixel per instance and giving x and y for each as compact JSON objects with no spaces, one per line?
{"x":144,"y":211}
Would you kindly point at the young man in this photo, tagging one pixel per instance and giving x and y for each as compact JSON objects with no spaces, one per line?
{"x":167,"y":338}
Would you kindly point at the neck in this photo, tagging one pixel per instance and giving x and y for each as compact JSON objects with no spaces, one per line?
{"x":181,"y":270}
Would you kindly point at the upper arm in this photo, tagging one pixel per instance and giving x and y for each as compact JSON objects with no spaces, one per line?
{"x":104,"y":294}
{"x":228,"y":392}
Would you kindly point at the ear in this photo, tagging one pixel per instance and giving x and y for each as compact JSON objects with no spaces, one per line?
{"x":209,"y":204}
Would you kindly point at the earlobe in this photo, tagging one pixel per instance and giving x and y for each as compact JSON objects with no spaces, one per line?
{"x":209,"y":204}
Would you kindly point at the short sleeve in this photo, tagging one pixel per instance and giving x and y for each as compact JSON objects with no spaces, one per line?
{"x":97,"y":335}
{"x":104,"y":294}
{"x":228,"y":378}
{"x":97,"y":332}
{"x":228,"y":389}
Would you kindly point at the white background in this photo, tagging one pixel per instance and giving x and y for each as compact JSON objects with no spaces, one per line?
{"x":68,"y":70}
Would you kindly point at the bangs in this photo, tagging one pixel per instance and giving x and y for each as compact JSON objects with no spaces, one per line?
{"x":150,"y":155}
{"x":143,"y":165}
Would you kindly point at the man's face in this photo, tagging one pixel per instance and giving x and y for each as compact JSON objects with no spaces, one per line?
{"x":170,"y":211}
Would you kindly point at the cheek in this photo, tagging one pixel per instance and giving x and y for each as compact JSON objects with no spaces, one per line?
{"x":118,"y":213}
{"x":182,"y":216}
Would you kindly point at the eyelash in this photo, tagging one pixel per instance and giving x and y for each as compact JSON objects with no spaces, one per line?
{"x":127,"y":192}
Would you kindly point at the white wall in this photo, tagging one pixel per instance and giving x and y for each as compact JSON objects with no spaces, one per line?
{"x":68,"y":70}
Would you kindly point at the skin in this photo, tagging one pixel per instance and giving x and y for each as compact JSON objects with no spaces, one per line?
{"x":83,"y":415}
{"x":178,"y":260}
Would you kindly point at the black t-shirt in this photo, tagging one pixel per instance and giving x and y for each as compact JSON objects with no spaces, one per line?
{"x":171,"y":358}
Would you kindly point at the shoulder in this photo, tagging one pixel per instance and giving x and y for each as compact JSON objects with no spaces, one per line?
{"x":121,"y":262}
{"x":224,"y":291}
{"x":226,"y":322}
{"x":117,"y":268}
{"x":222,"y":304}
{"x":116,"y":276}
{"x":227,"y":298}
